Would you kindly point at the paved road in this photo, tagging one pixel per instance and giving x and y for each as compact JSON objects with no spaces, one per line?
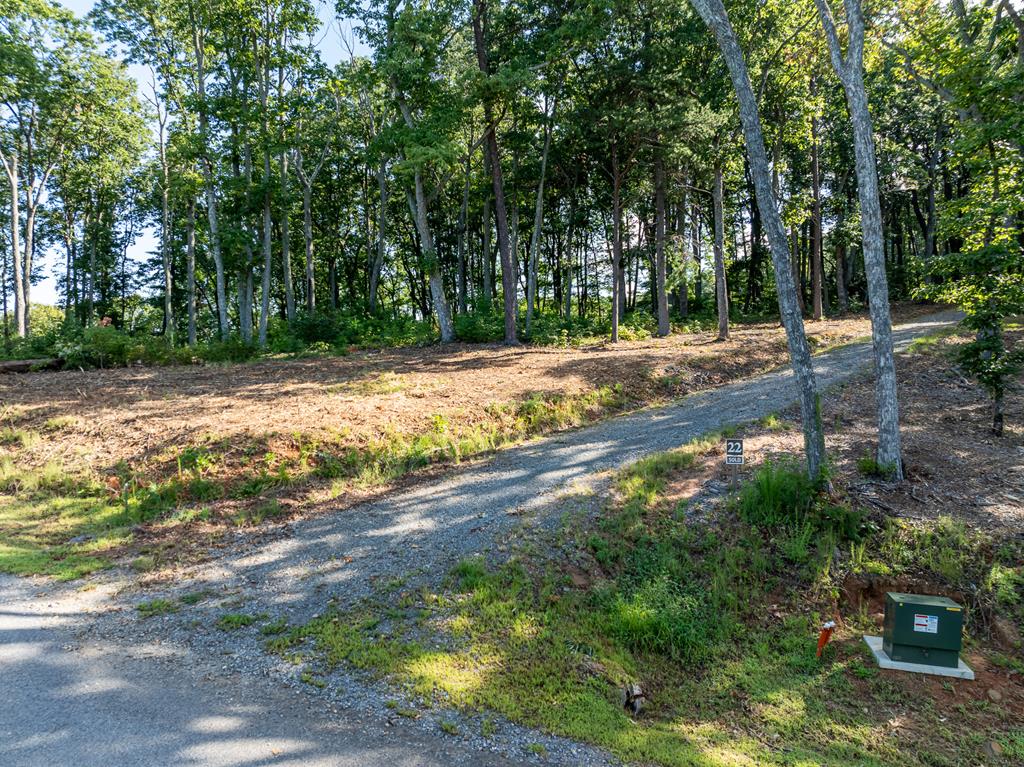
{"x":69,"y":701}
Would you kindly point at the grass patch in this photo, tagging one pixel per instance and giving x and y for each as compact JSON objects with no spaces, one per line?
{"x":61,"y":423}
{"x":375,"y":386}
{"x":932,"y":342}
{"x":235,"y":621}
{"x":156,"y":607}
{"x":14,"y":437}
{"x":869,"y":466}
{"x":772,"y":422}
{"x":55,"y":522}
{"x":195,"y":597}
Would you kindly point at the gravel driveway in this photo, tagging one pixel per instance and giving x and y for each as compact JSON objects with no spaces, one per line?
{"x":84,"y":680}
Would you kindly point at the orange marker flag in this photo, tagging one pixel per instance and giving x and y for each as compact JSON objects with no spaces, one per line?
{"x":825,"y":635}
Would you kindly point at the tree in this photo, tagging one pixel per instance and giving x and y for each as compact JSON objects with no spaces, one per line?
{"x":849,"y":69}
{"x":714,"y":15}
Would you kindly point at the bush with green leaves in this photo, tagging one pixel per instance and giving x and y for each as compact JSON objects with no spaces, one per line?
{"x":987,"y":283}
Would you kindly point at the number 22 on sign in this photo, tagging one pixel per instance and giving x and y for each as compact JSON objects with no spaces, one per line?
{"x":734,"y":458}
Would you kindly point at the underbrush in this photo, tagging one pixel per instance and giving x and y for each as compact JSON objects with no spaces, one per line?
{"x":717,"y":625}
{"x":325,"y":332}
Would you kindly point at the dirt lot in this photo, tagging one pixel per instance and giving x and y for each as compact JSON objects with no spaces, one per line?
{"x":97,"y":418}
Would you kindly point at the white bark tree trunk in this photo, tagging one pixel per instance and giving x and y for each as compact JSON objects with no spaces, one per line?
{"x":21,"y":326}
{"x":538,"y":218}
{"x":851,"y":75}
{"x":660,"y":267}
{"x":441,"y":309}
{"x":190,"y":268}
{"x":714,"y":15}
{"x":199,"y":45}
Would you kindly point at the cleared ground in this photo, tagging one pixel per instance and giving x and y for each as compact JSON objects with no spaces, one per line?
{"x":101,"y":417}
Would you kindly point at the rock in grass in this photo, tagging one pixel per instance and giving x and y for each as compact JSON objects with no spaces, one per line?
{"x":632,"y":698}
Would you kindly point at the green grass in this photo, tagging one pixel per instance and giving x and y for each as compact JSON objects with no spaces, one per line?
{"x":684,"y":612}
{"x":1013,"y":744}
{"x":235,"y":621}
{"x":22,"y":438}
{"x":932,"y":342}
{"x":156,"y":607}
{"x":195,"y":597}
{"x":61,"y":422}
{"x":772,"y":422}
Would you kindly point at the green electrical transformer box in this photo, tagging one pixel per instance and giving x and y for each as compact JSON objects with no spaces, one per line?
{"x":922,"y":629}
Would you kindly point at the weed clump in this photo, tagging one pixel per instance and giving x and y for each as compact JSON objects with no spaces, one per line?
{"x":782,"y":496}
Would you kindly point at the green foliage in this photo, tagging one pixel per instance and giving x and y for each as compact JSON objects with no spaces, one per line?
{"x":780,"y":496}
{"x":681,"y":611}
{"x":661,"y":616}
{"x":235,"y":621}
{"x":987,"y":283}
{"x":339,"y":330}
{"x":869,"y":466}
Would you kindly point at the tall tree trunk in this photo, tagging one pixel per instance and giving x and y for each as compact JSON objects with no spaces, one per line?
{"x":307,"y":240}
{"x":538,"y":218}
{"x":69,"y":267}
{"x":165,"y":233}
{"x":267,"y":253}
{"x":268,"y":230}
{"x":851,"y":74}
{"x":817,"y":278}
{"x":20,"y":323}
{"x":190,"y":268}
{"x":32,"y":201}
{"x":199,"y":47}
{"x":508,"y":262}
{"x":418,"y":206}
{"x":485,"y":240}
{"x":618,"y":283}
{"x":721,"y":289}
{"x":286,"y":238}
{"x":569,"y":258}
{"x":684,"y":251}
{"x":660,"y":267}
{"x":714,"y":15}
{"x":377,"y":262}
{"x":842,"y":296}
{"x":463,"y":226}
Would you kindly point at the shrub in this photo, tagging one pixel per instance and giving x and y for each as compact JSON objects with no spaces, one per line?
{"x":480,"y":327}
{"x":232,"y":350}
{"x":780,"y":495}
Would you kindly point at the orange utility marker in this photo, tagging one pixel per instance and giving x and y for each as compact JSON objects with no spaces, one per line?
{"x":825,"y":635}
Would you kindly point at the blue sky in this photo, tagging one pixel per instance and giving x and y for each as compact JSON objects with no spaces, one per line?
{"x":329,"y":43}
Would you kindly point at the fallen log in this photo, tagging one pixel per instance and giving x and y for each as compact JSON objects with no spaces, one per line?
{"x":27,"y":366}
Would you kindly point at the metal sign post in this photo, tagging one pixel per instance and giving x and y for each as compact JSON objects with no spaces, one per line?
{"x":734,"y":459}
